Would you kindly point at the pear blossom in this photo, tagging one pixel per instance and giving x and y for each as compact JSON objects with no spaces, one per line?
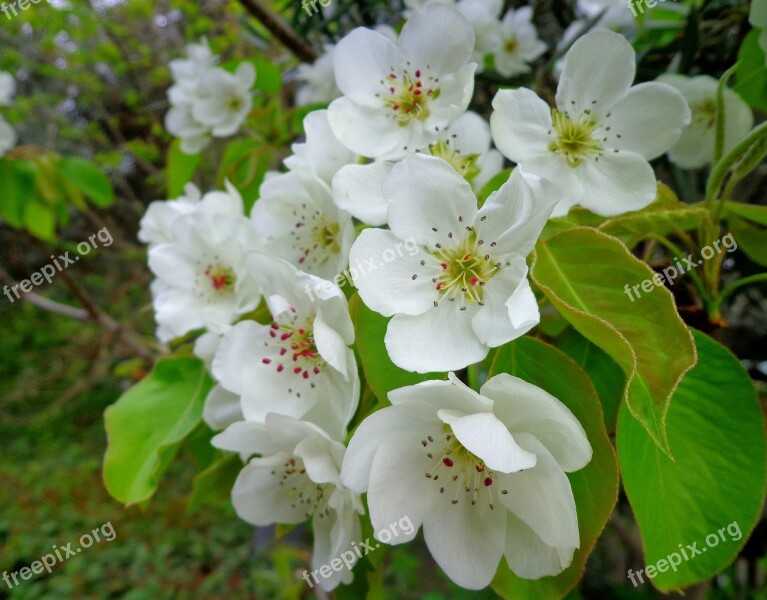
{"x":317,"y":81}
{"x":202,"y":281}
{"x":156,"y":224}
{"x":227,"y":101}
{"x":484,"y":473}
{"x":296,"y":476}
{"x":597,"y":143}
{"x":398,"y":96}
{"x":297,"y":220}
{"x":484,"y":18}
{"x":519,"y":44}
{"x":299,"y":365}
{"x":465,"y":144}
{"x":187,"y":72}
{"x":7,"y":137}
{"x":465,"y":290}
{"x":321,"y":155}
{"x":695,"y":147}
{"x":7,"y":88}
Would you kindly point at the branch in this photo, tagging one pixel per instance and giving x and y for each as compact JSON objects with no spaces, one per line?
{"x":281,"y":30}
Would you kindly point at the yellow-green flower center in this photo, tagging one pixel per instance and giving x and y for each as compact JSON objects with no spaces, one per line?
{"x":465,"y":271}
{"x":704,"y":113}
{"x":465,"y":165}
{"x":409,"y":95}
{"x":222,"y":279}
{"x":575,"y":140}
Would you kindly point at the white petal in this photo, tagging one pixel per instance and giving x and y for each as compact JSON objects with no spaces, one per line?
{"x":319,"y":460}
{"x":365,"y":130}
{"x":259,"y":499}
{"x":451,"y":394}
{"x":526,"y":408}
{"x":387,"y":286}
{"x":542,"y":497}
{"x":486,"y":437}
{"x":520,"y":124}
{"x":361,"y":59}
{"x":357,"y":190}
{"x":425,"y":193}
{"x":649,"y":119}
{"x":599,"y":66}
{"x":221,"y":409}
{"x":441,"y":339}
{"x":439,"y":37}
{"x":528,"y":556}
{"x":246,"y":438}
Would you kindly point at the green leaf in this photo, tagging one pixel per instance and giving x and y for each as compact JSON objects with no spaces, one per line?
{"x":17,"y":187}
{"x":244,"y":164}
{"x":181,"y":168}
{"x":751,"y":75}
{"x":381,"y":373}
{"x":595,"y":487}
{"x":716,"y":433}
{"x":605,"y":374}
{"x":576,"y":217}
{"x":268,"y":76}
{"x":751,"y":212}
{"x":89,"y":179}
{"x":146,"y":426}
{"x":585,"y":274}
{"x":214,"y":484}
{"x":751,"y":240}
{"x":40,"y":220}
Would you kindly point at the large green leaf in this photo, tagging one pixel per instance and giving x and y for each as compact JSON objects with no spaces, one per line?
{"x":381,"y":373}
{"x":751,"y":212}
{"x":605,"y":374}
{"x":751,"y":239}
{"x":89,"y":179}
{"x":181,"y":168}
{"x":716,"y":433}
{"x":146,"y":426}
{"x":595,"y":487}
{"x":17,"y":187}
{"x":751,"y":75}
{"x":585,"y":274}
{"x":660,"y":220}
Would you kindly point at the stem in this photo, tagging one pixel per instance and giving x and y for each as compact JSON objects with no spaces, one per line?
{"x":730,"y":290}
{"x":280,"y":30}
{"x":696,"y":280}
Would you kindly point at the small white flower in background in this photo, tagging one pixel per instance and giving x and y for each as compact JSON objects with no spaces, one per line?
{"x":484,"y":17}
{"x":321,"y":155}
{"x":7,"y":88}
{"x":695,"y":147}
{"x":317,"y":81}
{"x":202,"y":280}
{"x":592,"y":8}
{"x":466,"y":290}
{"x":483,"y":473}
{"x":519,"y":43}
{"x":597,"y":143}
{"x":207,"y":101}
{"x":397,"y":97}
{"x":465,"y":144}
{"x":156,"y":224}
{"x":7,"y":137}
{"x":411,"y":6}
{"x":295,"y":478}
{"x":300,"y":365}
{"x":297,"y":220}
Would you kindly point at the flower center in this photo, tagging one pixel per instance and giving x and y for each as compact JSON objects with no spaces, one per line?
{"x":511,"y":45}
{"x":297,"y":349}
{"x":464,"y":165}
{"x":215,"y":282}
{"x":235,"y":103}
{"x":457,"y":472}
{"x":302,"y":491}
{"x":704,"y":113}
{"x":576,"y":140}
{"x":408,"y":95}
{"x":222,"y":279}
{"x":465,"y":271}
{"x":315,"y":238}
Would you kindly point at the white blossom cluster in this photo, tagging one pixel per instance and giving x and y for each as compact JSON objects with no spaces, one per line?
{"x":206,"y":100}
{"x":7,"y":91}
{"x":398,"y":153}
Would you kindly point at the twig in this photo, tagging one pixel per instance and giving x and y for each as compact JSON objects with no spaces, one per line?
{"x":281,"y":30}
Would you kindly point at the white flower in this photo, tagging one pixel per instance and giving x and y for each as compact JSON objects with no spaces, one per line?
{"x":180,"y":123}
{"x":695,"y":147}
{"x":7,"y":137}
{"x":591,"y":8}
{"x":296,"y":477}
{"x":156,"y":224}
{"x":596,"y":144}
{"x":466,"y":289}
{"x":187,"y":72}
{"x":397,"y":97}
{"x":202,"y":280}
{"x":321,"y":155}
{"x":483,"y":16}
{"x":7,"y":88}
{"x":317,"y":81}
{"x":299,"y":365}
{"x":484,"y":473}
{"x":298,"y":221}
{"x":227,"y":101}
{"x":519,"y":44}
{"x":465,"y":144}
